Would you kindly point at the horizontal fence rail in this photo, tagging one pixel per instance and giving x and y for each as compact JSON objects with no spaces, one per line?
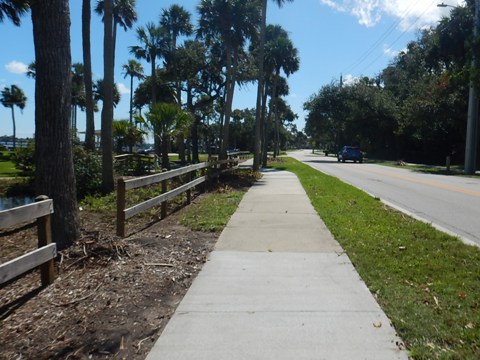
{"x":43,"y":256}
{"x":123,"y":185}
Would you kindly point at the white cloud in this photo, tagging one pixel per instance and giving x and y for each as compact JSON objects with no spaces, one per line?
{"x":349,"y":79}
{"x":16,"y":67}
{"x":122,"y":89}
{"x":411,"y":14}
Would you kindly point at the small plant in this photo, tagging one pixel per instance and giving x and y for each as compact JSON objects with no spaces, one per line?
{"x":23,"y":158}
{"x":88,"y":171}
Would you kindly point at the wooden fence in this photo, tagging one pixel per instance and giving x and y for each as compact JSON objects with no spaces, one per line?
{"x":125,"y":184}
{"x":46,"y":252}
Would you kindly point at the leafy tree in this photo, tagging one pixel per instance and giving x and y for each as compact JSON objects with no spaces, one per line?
{"x":11,"y":97}
{"x":13,"y":10}
{"x":243,"y":125}
{"x":54,"y":174}
{"x":163,"y":91}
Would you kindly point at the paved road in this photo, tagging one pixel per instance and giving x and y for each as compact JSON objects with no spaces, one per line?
{"x":451,"y":203}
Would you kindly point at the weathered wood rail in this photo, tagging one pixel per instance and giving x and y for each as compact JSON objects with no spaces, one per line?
{"x":43,"y":256}
{"x":125,"y":184}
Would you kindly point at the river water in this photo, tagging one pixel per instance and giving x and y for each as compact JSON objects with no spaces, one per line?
{"x":11,"y":202}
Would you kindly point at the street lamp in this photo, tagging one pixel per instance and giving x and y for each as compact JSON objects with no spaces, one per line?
{"x":472,"y":117}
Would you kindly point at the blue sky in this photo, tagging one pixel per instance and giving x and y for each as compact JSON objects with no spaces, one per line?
{"x":349,"y":37}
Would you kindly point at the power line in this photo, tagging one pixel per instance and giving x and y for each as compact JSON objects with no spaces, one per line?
{"x":370,"y":50}
{"x":387,"y":33}
{"x":401,"y":35}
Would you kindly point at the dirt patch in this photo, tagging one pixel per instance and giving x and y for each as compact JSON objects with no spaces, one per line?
{"x":112,"y":297}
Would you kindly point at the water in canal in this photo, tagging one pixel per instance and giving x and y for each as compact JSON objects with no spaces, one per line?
{"x":11,"y":202}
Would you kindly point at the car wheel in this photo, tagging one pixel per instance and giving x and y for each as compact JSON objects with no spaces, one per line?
{"x":360,"y":161}
{"x":343,"y":160}
{"x":338,"y":159}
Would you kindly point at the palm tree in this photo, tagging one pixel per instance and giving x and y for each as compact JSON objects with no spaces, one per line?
{"x":260,"y":76}
{"x":124,"y":14}
{"x":87,"y":77}
{"x":151,"y":37}
{"x":135,"y":70}
{"x":167,"y":120}
{"x":54,"y":173}
{"x":31,"y":70}
{"x":11,"y":97}
{"x":99,"y":92}
{"x":13,"y":9}
{"x":126,"y":134}
{"x":176,"y":21}
{"x":280,"y":55}
{"x":78,"y":93}
{"x":232,"y":22}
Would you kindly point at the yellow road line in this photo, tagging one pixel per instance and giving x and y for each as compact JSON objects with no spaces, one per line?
{"x":429,"y":183}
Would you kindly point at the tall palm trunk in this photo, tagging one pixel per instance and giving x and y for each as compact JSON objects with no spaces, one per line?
{"x":54,"y":174}
{"x":259,"y":109}
{"x":276,"y":127}
{"x":87,"y":75}
{"x":107,"y":110}
{"x":229,"y":92}
{"x":264,"y":128}
{"x":154,"y":79}
{"x":131,"y":101}
{"x":14,"y":129}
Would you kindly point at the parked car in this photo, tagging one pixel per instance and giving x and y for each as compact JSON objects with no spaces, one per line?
{"x":352,"y":153}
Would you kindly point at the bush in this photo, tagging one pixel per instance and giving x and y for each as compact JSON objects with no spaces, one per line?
{"x":23,"y":158}
{"x":88,"y":171}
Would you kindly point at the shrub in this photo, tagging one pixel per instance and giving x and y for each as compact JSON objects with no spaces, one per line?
{"x":88,"y":171}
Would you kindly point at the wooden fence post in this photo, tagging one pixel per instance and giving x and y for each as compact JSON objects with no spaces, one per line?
{"x":44,"y":229}
{"x":121,"y":195}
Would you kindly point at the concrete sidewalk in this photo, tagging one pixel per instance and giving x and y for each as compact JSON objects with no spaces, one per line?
{"x":277,"y":286}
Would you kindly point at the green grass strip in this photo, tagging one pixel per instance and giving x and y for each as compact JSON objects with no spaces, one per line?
{"x":213,"y":212}
{"x":427,"y":282}
{"x":7,"y":167}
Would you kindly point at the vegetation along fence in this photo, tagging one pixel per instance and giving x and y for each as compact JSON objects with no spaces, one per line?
{"x":43,"y":256}
{"x":125,"y":184}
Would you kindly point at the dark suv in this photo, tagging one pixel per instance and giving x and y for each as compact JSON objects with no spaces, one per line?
{"x":350,"y":153}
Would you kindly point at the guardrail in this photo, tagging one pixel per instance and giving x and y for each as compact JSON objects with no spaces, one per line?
{"x":125,"y":184}
{"x":46,"y":252}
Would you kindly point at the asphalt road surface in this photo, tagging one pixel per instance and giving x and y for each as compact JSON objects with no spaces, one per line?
{"x":450,"y":203}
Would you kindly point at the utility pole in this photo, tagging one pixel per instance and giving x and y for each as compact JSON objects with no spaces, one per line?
{"x":472,"y":119}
